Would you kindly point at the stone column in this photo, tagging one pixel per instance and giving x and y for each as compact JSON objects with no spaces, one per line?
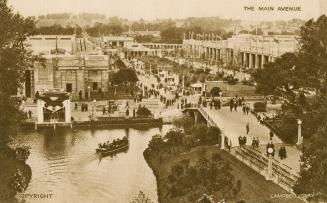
{"x":269,"y":168}
{"x":262,"y":60}
{"x":68,"y":113}
{"x":250,"y":60}
{"x":299,"y":133}
{"x":40,"y":116}
{"x":256,"y":61}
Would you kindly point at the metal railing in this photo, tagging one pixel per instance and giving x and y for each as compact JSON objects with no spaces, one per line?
{"x":282,"y":175}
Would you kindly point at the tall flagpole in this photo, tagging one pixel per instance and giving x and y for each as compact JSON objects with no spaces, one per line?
{"x":256,"y":38}
{"x":56,"y":44}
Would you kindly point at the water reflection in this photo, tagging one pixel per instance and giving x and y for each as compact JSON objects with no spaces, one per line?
{"x":64,"y":163}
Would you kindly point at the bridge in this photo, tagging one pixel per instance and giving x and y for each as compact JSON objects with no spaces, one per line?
{"x":233,"y":124}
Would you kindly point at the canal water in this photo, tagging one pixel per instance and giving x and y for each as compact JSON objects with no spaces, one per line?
{"x":64,"y":163}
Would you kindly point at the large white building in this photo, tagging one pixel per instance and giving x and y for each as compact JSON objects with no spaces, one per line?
{"x":45,"y":44}
{"x":245,"y":50}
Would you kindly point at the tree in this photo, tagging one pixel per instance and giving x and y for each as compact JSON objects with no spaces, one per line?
{"x":199,"y":131}
{"x":277,"y":77}
{"x":172,"y":35}
{"x":145,"y":38}
{"x":174,"y":137}
{"x":287,"y":77}
{"x":156,"y":143}
{"x":124,"y":76}
{"x":213,"y":136}
{"x":14,"y":59}
{"x":313,"y":43}
{"x":257,"y":32}
{"x":313,"y":174}
{"x":215,"y":176}
{"x":185,"y":122}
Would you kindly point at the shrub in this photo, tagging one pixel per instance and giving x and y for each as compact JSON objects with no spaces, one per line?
{"x":174,"y":137}
{"x":156,"y":143}
{"x":18,"y":182}
{"x":143,"y":112}
{"x":259,"y":107}
{"x":185,"y":122}
{"x":22,"y":153}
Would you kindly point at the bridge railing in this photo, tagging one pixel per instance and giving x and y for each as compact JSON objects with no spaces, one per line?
{"x":207,"y":117}
{"x":282,"y":175}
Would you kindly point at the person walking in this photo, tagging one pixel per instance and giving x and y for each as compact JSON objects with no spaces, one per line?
{"x":257,"y":142}
{"x":235,"y":105}
{"x":283,"y":152}
{"x":80,"y":94}
{"x":280,"y":154}
{"x":231,"y":104}
{"x":104,"y":111}
{"x":244,"y":140}
{"x":247,"y":128}
{"x":253,"y":143}
{"x":29,"y":114}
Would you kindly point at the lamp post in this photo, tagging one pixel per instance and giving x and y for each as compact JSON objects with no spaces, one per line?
{"x":94,"y":108}
{"x":299,"y":132}
{"x":270,"y":153}
{"x":89,"y":92}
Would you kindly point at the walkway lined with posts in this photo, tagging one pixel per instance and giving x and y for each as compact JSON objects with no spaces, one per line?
{"x":282,"y":174}
{"x":233,"y":125}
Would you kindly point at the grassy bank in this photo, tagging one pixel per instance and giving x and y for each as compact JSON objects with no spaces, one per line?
{"x":254,"y":187}
{"x":8,"y":165}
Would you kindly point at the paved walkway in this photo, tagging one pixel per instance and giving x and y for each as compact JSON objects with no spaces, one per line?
{"x":233,"y":124}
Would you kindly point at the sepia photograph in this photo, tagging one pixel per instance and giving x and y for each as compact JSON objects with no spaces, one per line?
{"x":163,"y":101}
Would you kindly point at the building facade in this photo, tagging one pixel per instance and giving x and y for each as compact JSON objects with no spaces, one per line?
{"x":73,"y":74}
{"x":245,"y":50}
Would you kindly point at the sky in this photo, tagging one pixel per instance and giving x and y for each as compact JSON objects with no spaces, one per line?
{"x":175,"y":9}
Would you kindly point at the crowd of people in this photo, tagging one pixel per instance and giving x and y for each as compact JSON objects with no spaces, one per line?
{"x":84,"y":107}
{"x":242,"y":141}
{"x":282,"y":152}
{"x":216,"y":103}
{"x":115,"y":143}
{"x":236,"y":102}
{"x":255,"y":142}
